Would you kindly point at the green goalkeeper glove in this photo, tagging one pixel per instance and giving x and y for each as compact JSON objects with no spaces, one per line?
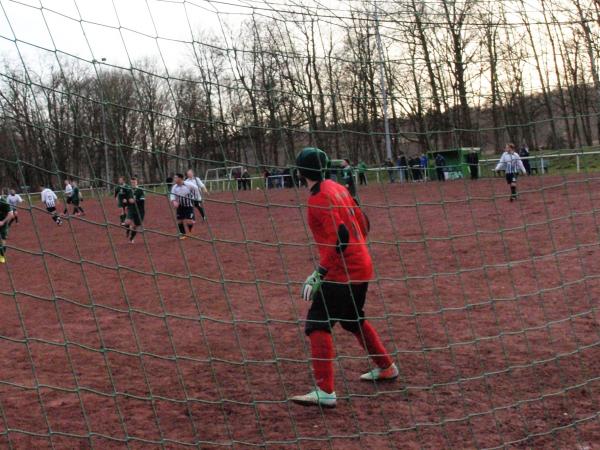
{"x":311,"y":286}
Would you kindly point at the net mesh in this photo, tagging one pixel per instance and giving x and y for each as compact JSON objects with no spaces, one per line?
{"x":487,"y":306}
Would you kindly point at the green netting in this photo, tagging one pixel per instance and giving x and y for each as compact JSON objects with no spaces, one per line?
{"x":488,"y":306}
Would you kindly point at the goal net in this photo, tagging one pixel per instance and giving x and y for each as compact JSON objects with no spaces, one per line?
{"x":168,"y":333}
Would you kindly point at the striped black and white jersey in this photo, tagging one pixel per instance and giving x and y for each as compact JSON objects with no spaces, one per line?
{"x":196,"y":181}
{"x":184,"y":194}
{"x":49,"y":198}
{"x":511,"y":163}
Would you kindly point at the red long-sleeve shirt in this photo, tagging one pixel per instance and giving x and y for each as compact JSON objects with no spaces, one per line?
{"x":339,"y":228}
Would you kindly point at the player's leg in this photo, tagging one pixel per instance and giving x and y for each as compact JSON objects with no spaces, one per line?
{"x":3,"y":238}
{"x":127,"y":224}
{"x":190,"y":219}
{"x":135,"y":223}
{"x":123,"y":216}
{"x":351,"y":314}
{"x":55,"y":217}
{"x":511,"y":180}
{"x":180,"y":214}
{"x":200,"y":208}
{"x":318,"y":329}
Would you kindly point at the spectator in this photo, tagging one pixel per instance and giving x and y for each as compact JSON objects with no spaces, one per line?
{"x":424,"y":162}
{"x":348,"y":177}
{"x":440,"y":166}
{"x":362,"y":173}
{"x":524,"y":154}
{"x":401,"y":166}
{"x":237,"y":176}
{"x":266,"y":175}
{"x":473,"y":162}
{"x":390,"y":169}
{"x":169,"y":182}
{"x":287,"y":178}
{"x":245,"y":178}
{"x":415,"y":168}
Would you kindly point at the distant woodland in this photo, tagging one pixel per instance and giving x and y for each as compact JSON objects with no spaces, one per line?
{"x":451,"y":74}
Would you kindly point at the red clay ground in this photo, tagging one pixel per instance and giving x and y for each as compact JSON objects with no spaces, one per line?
{"x":489,"y":307}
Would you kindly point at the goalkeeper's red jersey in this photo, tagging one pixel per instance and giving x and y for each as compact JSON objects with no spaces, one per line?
{"x":340,"y":229}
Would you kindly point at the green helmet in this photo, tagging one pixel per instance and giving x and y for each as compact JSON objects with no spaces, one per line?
{"x":312,"y":163}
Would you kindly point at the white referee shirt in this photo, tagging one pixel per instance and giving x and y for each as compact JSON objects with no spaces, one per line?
{"x":49,"y":198}
{"x":68,"y":190}
{"x":199,"y":185}
{"x":511,"y":163}
{"x":184,"y":194}
{"x":14,"y":200}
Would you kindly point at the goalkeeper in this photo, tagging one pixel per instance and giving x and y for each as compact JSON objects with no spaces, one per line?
{"x":338,"y":288}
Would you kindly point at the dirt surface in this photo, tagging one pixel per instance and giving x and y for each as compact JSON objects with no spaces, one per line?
{"x":489,"y":307}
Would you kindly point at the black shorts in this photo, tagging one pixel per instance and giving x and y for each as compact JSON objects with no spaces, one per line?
{"x":511,"y":178}
{"x":51,"y":209}
{"x":334,"y":303}
{"x":185,"y":213}
{"x":69,"y":200}
{"x":137,"y":217}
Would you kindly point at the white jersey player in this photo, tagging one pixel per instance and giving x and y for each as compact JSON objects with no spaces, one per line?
{"x":183,"y":196}
{"x":49,"y":199}
{"x":512,"y":164}
{"x":14,"y":199}
{"x":201,"y":188}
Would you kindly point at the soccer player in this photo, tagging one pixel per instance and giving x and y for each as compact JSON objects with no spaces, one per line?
{"x":68,"y":196}
{"x":348,"y":177}
{"x":13,"y":199}
{"x":49,"y":199}
{"x":183,"y":196}
{"x":121,"y":200}
{"x":136,"y":209}
{"x":6,"y":216}
{"x":76,"y":200}
{"x":512,"y":164}
{"x":201,"y":190}
{"x":338,"y":289}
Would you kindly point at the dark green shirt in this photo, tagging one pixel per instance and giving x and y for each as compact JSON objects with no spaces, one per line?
{"x":120,"y":193}
{"x":75,"y":195}
{"x":4,"y":208}
{"x":138,"y":195}
{"x":347,"y":175}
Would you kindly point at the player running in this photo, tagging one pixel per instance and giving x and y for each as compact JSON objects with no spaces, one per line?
{"x":68,"y":196}
{"x":6,"y":216}
{"x":338,"y":288}
{"x":511,"y":163}
{"x":49,"y":199}
{"x":201,"y":190}
{"x":183,"y":195}
{"x":76,"y":200}
{"x":13,"y":199}
{"x":121,"y":200}
{"x":135,"y":209}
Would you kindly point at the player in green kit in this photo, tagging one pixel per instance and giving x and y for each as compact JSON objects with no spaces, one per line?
{"x":6,"y":216}
{"x":76,"y":200}
{"x":136,"y":200}
{"x":121,"y":200}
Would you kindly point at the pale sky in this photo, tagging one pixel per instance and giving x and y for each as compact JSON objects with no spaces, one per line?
{"x":113,"y":29}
